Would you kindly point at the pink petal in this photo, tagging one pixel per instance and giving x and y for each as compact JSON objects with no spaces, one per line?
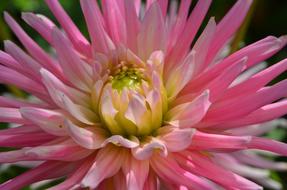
{"x":180,"y":76}
{"x":80,"y":112}
{"x":50,"y":121}
{"x":9,"y":76}
{"x":257,"y":81}
{"x":136,"y":173}
{"x":118,"y":182}
{"x":187,"y":35}
{"x":169,"y":170}
{"x":47,"y":170}
{"x":202,"y":45}
{"x":206,"y":141}
{"x":268,"y":145}
{"x":11,"y":115}
{"x":64,"y":151}
{"x":188,"y":114}
{"x":20,"y":130}
{"x":152,"y":35}
{"x":90,"y":138}
{"x":255,"y":52}
{"x":257,"y":161}
{"x":132,"y":24}
{"x":265,"y":113}
{"x":104,"y":166}
{"x":151,"y":182}
{"x":17,"y":103}
{"x":78,"y":40}
{"x":76,"y":176}
{"x":115,"y":20}
{"x":10,"y":62}
{"x":73,"y":67}
{"x":151,"y":146}
{"x":101,"y":42}
{"x":25,"y":140}
{"x":51,"y":81}
{"x":176,"y":139}
{"x":31,"y":67}
{"x":246,"y":104}
{"x":40,"y":23}
{"x":228,"y":26}
{"x":202,"y":166}
{"x":121,"y":141}
{"x":34,"y":49}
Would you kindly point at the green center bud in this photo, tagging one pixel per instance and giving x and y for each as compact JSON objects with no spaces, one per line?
{"x":126,"y":77}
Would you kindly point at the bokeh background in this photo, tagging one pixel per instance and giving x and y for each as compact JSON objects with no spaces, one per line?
{"x":267,"y":17}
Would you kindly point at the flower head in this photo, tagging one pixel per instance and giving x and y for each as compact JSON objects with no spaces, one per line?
{"x":135,"y":108}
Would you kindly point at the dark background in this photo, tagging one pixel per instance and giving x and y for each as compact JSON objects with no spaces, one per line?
{"x":267,"y":17}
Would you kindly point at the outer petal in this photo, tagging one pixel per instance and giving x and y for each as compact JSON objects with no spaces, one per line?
{"x":40,"y":23}
{"x":176,"y":139}
{"x":108,"y":162}
{"x":90,"y":138}
{"x":152,"y":35}
{"x":76,"y":176}
{"x":101,"y":42}
{"x":136,"y":172}
{"x":202,"y":166}
{"x":50,"y":121}
{"x":146,"y":150}
{"x":78,"y":40}
{"x":169,"y":170}
{"x":33,"y":48}
{"x":227,"y":26}
{"x":47,"y":170}
{"x":188,"y":114}
{"x":206,"y":141}
{"x":77,"y":71}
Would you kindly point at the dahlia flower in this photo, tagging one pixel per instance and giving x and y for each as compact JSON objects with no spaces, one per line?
{"x":135,"y":107}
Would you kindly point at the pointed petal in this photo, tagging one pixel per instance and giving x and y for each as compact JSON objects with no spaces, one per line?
{"x":104,"y":166}
{"x":40,"y":23}
{"x":78,"y":40}
{"x":151,"y":146}
{"x":202,"y":166}
{"x":101,"y":42}
{"x":90,"y":138}
{"x":228,"y":26}
{"x":176,"y":139}
{"x":34,"y":49}
{"x":152,"y":35}
{"x":168,"y":169}
{"x":49,"y":120}
{"x":76,"y":176}
{"x":188,"y":114}
{"x":136,"y":172}
{"x":47,"y":170}
{"x":72,"y":65}
{"x":187,"y":35}
{"x":121,"y":141}
{"x":206,"y":141}
{"x":114,"y":15}
{"x":268,"y":145}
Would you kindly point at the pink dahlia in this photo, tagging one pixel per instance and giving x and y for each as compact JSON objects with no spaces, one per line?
{"x":135,"y":108}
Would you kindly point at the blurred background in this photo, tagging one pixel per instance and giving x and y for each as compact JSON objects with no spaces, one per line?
{"x":267,"y":17}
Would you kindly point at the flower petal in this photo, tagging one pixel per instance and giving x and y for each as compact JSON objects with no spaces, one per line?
{"x":136,"y":172}
{"x":90,"y":138}
{"x":188,"y":114}
{"x":151,"y":146}
{"x":176,"y":139}
{"x":49,"y":120}
{"x":104,"y":166}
